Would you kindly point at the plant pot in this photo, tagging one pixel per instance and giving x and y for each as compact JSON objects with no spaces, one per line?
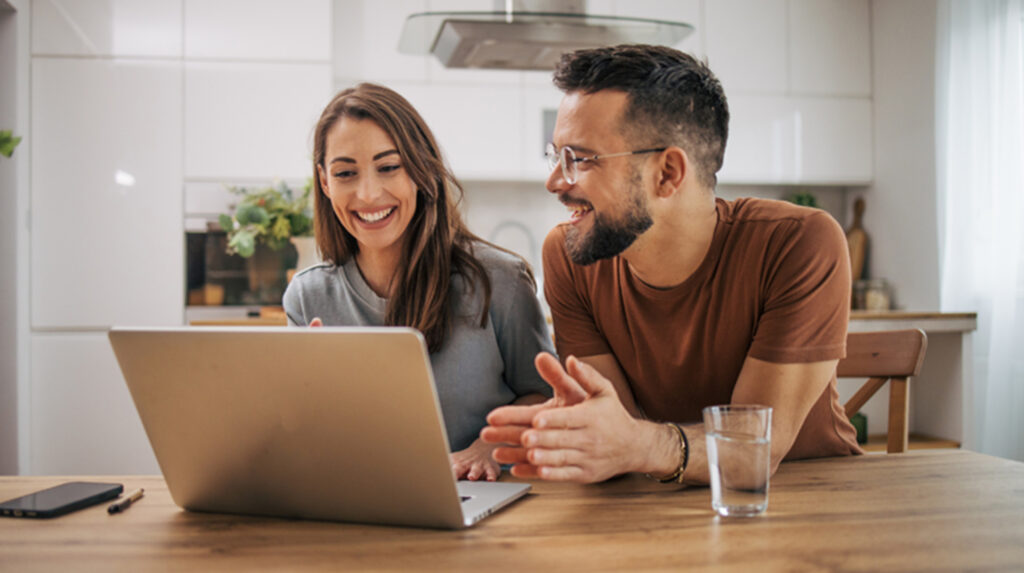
{"x":309,"y":255}
{"x":267,"y":270}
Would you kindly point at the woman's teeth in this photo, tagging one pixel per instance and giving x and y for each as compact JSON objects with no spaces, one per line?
{"x":374,"y":216}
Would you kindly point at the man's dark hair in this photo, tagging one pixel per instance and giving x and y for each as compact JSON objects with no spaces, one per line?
{"x":674,"y":99}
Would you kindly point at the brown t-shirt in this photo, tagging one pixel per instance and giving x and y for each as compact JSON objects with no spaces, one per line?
{"x":774,"y":285}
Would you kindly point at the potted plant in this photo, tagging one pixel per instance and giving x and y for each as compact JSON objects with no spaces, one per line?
{"x":803,"y":198}
{"x":269,"y":215}
{"x":272,"y":227}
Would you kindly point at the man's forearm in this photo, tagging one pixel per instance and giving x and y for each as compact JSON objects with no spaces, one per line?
{"x":663,"y":452}
{"x":659,"y":449}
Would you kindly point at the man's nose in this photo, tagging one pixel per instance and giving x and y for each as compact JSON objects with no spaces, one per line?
{"x":556,"y":182}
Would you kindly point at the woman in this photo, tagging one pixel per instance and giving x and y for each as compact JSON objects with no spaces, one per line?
{"x":398,"y":254}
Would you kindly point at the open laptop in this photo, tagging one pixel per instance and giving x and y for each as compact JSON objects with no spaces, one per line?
{"x":338,"y":424}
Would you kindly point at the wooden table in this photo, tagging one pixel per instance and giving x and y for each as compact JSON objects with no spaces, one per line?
{"x":928,"y":510}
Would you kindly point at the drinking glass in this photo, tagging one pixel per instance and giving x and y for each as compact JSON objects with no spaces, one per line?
{"x":739,"y":457}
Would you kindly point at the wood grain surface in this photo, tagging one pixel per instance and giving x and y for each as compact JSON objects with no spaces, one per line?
{"x":928,"y":510}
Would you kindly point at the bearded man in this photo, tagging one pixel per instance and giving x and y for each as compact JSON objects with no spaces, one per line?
{"x":666,"y":299}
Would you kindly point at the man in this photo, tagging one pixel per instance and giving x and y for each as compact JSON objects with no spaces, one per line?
{"x":666,"y":299}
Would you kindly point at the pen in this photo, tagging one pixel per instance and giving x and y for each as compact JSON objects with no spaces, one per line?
{"x":123,"y":504}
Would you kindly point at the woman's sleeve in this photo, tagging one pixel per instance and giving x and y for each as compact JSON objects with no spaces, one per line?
{"x":292,"y":302}
{"x":521,"y":329}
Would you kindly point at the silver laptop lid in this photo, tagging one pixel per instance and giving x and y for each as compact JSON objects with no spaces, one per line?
{"x":328,"y":423}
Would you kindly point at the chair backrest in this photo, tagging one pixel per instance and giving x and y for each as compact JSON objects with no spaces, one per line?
{"x":887,"y":356}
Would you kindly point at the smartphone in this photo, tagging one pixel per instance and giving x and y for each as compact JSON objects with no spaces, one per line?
{"x":60,"y":499}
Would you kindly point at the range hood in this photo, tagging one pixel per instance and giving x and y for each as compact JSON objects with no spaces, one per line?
{"x":527,"y":34}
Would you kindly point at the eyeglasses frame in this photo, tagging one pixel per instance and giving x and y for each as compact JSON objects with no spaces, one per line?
{"x":552,"y":151}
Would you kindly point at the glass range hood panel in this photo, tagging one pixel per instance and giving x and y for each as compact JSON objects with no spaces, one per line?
{"x":525,"y":40}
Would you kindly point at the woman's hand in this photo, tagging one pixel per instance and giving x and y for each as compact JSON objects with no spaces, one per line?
{"x":475,"y":462}
{"x":316,"y":322}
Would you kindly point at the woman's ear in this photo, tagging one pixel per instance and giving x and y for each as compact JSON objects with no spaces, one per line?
{"x":675,"y":165}
{"x":322,"y":175}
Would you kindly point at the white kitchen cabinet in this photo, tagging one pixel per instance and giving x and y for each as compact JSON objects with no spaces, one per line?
{"x":82,"y":420}
{"x":263,"y":30}
{"x":746,"y":45}
{"x":479,"y":128}
{"x":106,"y":193}
{"x":794,"y":47}
{"x":762,"y":140}
{"x":143,"y":28}
{"x":366,"y":36}
{"x":797,"y":74}
{"x":688,"y":11}
{"x":794,"y":140}
{"x":834,"y":140}
{"x":830,"y":47}
{"x":252,"y":120}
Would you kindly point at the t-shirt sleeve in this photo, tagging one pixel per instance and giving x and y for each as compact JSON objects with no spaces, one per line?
{"x":807,"y":304}
{"x":576,"y":332}
{"x":521,"y":329}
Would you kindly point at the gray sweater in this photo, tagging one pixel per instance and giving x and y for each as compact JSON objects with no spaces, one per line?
{"x":477,"y":369}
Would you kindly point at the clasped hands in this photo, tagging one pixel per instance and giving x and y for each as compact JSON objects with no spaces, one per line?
{"x":582,"y":434}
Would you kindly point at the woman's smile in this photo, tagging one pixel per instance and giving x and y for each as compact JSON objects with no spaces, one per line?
{"x":375,"y":218}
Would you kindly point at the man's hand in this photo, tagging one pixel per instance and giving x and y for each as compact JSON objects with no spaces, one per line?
{"x":583,"y":434}
{"x":475,"y":462}
{"x":513,"y":420}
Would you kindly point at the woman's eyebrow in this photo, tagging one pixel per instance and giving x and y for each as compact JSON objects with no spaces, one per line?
{"x":375,"y":157}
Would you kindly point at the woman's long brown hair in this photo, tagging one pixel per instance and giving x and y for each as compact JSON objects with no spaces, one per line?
{"x":436,"y":243}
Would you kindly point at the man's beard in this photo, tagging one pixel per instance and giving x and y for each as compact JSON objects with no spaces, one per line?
{"x":607,"y":238}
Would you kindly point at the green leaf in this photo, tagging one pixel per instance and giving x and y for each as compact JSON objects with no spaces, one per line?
{"x":243,"y":243}
{"x":252,"y":214}
{"x":805,"y":199}
{"x":301,"y":224}
{"x":8,"y":143}
{"x":281,"y":229}
{"x":226,"y":223}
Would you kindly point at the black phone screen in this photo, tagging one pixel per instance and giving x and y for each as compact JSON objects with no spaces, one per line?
{"x":60,"y":499}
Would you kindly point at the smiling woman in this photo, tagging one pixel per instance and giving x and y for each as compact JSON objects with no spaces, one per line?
{"x":371,"y":195}
{"x":397,"y":253}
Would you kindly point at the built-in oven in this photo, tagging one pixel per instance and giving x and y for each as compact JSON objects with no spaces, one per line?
{"x":216,"y":278}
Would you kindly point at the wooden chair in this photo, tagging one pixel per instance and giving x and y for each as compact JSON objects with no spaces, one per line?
{"x":888,"y":356}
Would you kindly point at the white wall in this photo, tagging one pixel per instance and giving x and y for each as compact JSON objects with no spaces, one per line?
{"x":14,"y":183}
{"x":901,"y":218}
{"x":8,"y":251}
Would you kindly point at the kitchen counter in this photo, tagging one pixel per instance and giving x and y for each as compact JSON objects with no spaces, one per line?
{"x":930,"y":322}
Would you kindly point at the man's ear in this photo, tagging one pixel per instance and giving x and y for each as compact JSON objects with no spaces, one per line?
{"x":675,"y":166}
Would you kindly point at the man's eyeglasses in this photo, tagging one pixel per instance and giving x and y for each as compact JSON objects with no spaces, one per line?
{"x":569,"y":161}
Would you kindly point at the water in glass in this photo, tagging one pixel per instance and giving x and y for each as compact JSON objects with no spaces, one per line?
{"x":739,"y":468}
